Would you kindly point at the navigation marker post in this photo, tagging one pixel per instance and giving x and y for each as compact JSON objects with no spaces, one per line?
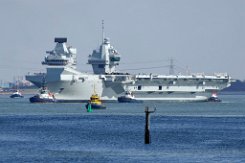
{"x":147,"y":123}
{"x":89,"y":108}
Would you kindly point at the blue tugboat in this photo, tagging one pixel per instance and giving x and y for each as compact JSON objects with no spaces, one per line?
{"x":214,"y":98}
{"x":44,"y":96}
{"x":128,"y":98}
{"x":16,"y":94}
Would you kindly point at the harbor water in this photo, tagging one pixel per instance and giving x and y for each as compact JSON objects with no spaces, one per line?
{"x":66,"y":132}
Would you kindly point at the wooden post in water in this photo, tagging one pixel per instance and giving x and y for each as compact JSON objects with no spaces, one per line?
{"x":147,"y":123}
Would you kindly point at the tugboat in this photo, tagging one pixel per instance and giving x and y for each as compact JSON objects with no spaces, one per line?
{"x":128,"y":98}
{"x":95,"y":102}
{"x":16,"y":94}
{"x":214,"y":98}
{"x":44,"y":96}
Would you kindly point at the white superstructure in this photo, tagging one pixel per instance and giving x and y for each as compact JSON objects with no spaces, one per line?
{"x":62,"y":55}
{"x":69,"y":84}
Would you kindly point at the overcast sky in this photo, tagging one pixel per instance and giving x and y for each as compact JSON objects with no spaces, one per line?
{"x":201,"y":35}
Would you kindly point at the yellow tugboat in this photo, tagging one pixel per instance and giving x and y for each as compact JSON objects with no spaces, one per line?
{"x":95,"y":102}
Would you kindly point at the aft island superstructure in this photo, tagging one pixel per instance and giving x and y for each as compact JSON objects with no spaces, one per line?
{"x":71,"y":85}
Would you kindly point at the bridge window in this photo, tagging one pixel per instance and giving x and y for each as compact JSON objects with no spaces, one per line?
{"x":139,"y":87}
{"x":160,"y":87}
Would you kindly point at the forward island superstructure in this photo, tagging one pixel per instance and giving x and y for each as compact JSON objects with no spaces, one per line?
{"x":70,"y":85}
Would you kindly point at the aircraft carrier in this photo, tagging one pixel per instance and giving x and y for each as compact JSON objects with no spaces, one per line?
{"x":70,"y":85}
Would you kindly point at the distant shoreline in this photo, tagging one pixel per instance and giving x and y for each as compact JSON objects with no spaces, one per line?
{"x":35,"y":91}
{"x":24,"y":91}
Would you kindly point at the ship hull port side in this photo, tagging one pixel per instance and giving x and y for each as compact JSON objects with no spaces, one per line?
{"x":71,"y":86}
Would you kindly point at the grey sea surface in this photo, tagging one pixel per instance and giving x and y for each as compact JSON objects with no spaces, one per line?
{"x":66,"y":132}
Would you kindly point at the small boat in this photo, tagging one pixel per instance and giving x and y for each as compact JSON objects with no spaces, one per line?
{"x":95,"y":102}
{"x":44,"y":96}
{"x":128,"y":98}
{"x":16,"y":94}
{"x":214,"y":98}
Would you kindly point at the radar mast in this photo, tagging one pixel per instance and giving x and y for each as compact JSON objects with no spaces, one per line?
{"x":103,"y":32}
